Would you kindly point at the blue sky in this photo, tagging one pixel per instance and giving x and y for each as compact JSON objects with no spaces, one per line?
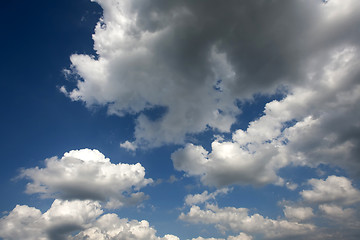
{"x":180,"y":120}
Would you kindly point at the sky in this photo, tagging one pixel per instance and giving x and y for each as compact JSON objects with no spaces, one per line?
{"x":168,"y":120}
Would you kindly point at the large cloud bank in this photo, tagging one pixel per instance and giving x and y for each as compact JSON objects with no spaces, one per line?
{"x":195,"y":59}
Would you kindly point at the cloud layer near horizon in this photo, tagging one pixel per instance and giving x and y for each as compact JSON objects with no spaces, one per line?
{"x":65,"y":217}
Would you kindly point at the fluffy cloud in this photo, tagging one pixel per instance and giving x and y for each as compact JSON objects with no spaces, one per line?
{"x":87,"y":174}
{"x":205,"y":196}
{"x":227,"y":164}
{"x":315,"y":123}
{"x":332,"y":190}
{"x":65,"y":217}
{"x":298,"y":213}
{"x":109,"y":226}
{"x":173,"y":56}
{"x":238,"y":219}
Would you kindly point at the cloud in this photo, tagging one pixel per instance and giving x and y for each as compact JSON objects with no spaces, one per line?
{"x":332,"y":203}
{"x":63,"y":217}
{"x":227,"y":164}
{"x":66,"y":217}
{"x":241,"y":236}
{"x":298,"y":213}
{"x":238,"y":219}
{"x":195,"y":59}
{"x":87,"y":174}
{"x":317,"y":123}
{"x":110,"y":226}
{"x":332,"y":190}
{"x":204,"y":197}
{"x":334,"y":211}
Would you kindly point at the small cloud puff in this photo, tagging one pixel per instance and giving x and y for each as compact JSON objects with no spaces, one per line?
{"x":332,"y":190}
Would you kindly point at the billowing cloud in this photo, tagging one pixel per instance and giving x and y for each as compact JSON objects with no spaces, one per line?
{"x":63,"y":217}
{"x":332,"y":190}
{"x":195,"y":59}
{"x":66,"y":217}
{"x":315,"y":123}
{"x":87,"y":174}
{"x":238,"y":220}
{"x":110,"y":226}
{"x":204,"y":197}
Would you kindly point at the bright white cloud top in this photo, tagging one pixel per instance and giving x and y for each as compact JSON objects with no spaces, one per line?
{"x":334,"y":189}
{"x":87,"y":174}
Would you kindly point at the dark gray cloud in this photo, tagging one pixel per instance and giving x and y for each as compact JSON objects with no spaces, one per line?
{"x":61,"y":232}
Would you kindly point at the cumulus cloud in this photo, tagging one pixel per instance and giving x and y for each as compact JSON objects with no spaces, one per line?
{"x":87,"y":174}
{"x":110,"y":226}
{"x":204,"y":197}
{"x":298,"y":213}
{"x":332,"y":190}
{"x":65,"y":217}
{"x":315,"y":123}
{"x":195,"y":59}
{"x":238,"y":219}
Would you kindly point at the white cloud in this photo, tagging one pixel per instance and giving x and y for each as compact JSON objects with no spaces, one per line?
{"x":315,"y":123}
{"x":298,"y":213}
{"x":110,"y":226}
{"x":238,"y":219}
{"x":291,"y":186}
{"x":128,"y":145}
{"x":65,"y":217}
{"x":241,"y":236}
{"x":337,"y":212}
{"x":204,"y":197}
{"x":332,"y":190}
{"x":87,"y":174}
{"x":172,"y":55}
{"x":227,"y":164}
